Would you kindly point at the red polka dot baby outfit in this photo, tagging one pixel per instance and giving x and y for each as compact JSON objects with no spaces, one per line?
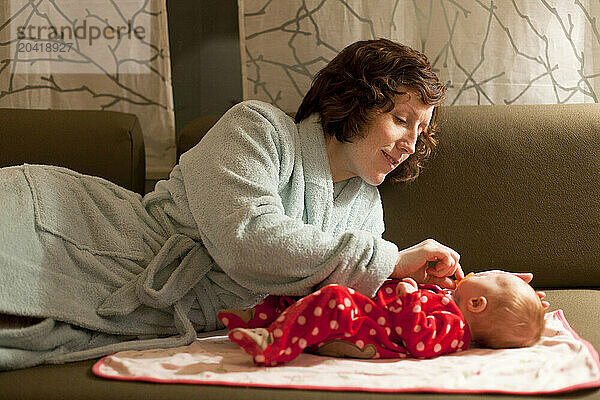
{"x":337,"y":320}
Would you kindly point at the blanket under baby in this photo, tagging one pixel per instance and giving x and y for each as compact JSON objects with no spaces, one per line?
{"x":561,"y":361}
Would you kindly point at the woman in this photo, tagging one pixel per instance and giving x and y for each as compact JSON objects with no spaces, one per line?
{"x":263,"y":205}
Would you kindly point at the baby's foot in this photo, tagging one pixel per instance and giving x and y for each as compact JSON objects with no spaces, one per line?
{"x":254,"y":342}
{"x":259,"y":316}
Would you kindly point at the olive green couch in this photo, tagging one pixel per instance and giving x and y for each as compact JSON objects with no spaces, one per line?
{"x":511,"y":187}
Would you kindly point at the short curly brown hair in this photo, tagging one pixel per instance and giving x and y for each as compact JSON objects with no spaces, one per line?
{"x":363,"y":79}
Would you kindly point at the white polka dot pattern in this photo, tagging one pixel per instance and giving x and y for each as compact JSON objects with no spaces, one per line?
{"x":402,"y":323}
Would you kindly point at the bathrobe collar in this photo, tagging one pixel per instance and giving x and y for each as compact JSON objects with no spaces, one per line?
{"x":318,"y":197}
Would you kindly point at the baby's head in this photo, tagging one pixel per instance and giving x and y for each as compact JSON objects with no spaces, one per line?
{"x":501,"y":309}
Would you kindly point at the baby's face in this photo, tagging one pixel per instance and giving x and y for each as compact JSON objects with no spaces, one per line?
{"x":481,"y":283}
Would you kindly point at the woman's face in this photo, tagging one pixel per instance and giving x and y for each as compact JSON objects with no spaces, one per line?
{"x":386,"y":141}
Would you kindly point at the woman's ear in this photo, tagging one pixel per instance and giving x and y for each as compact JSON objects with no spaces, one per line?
{"x":477,"y":304}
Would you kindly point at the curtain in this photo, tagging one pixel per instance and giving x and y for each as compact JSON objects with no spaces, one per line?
{"x":92,"y":54}
{"x":488,"y":52}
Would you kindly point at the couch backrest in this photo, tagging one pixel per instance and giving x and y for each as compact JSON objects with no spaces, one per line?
{"x":513,"y":187}
{"x":102,"y":143}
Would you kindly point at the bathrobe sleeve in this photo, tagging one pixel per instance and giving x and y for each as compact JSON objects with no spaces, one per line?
{"x":374,"y":221}
{"x":234,"y":182}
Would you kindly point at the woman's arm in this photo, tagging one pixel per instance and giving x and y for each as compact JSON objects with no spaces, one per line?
{"x":233,"y":182}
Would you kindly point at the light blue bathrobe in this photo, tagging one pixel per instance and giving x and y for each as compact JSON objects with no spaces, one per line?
{"x":249,"y":211}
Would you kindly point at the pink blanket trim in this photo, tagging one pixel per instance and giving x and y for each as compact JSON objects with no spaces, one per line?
{"x":216,"y":361}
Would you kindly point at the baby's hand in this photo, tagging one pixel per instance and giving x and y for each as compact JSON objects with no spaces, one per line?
{"x":408,"y":285}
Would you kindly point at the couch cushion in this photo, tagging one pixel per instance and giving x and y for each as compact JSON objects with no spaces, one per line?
{"x":581,"y":308}
{"x":102,"y":143}
{"x":512,"y":187}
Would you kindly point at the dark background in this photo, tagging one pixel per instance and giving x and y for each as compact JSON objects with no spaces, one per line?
{"x":205,"y":57}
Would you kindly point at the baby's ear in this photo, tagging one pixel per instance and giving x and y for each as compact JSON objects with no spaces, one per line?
{"x":477,"y":304}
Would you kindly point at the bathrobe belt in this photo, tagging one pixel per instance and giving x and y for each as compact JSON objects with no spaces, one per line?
{"x":186,"y":277}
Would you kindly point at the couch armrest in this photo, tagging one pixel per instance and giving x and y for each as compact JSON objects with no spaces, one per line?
{"x":108,"y":144}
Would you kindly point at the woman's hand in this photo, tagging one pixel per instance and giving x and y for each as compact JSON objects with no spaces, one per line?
{"x":413,"y":262}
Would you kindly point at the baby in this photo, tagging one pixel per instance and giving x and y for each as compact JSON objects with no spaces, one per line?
{"x":496,"y":309}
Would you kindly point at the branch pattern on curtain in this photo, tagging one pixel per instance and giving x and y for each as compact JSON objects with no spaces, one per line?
{"x":92,"y":54}
{"x":489,"y":52}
